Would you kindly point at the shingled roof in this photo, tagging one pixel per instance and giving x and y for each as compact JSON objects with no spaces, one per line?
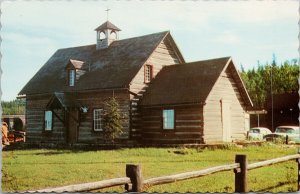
{"x":107,"y":25}
{"x":113,"y":67}
{"x":188,"y":83}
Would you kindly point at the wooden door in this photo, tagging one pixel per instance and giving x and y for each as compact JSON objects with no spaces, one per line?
{"x":226,"y":120}
{"x":73,"y":126}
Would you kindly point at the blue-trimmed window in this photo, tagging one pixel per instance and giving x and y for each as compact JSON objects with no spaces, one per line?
{"x":168,"y":119}
{"x":72,"y":77}
{"x":48,"y":120}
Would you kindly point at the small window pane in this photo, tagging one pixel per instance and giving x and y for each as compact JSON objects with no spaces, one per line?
{"x":97,"y":120}
{"x":48,"y":120}
{"x":72,"y":77}
{"x":148,"y":73}
{"x":168,"y":119}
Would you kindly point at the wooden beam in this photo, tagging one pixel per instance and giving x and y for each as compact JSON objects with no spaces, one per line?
{"x":134,"y":172}
{"x":272,"y":161}
{"x":241,"y":174}
{"x":87,"y":186}
{"x":60,"y":119}
{"x":298,"y":162}
{"x":188,"y":175}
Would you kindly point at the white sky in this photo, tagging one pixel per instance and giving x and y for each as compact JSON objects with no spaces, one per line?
{"x":249,"y":31}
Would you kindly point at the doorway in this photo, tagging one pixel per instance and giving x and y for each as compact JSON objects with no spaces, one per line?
{"x":73,"y":125}
{"x":226,"y":120}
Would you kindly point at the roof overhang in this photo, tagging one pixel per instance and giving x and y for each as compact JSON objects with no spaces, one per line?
{"x":21,"y":96}
{"x":62,"y":100}
{"x":257,"y":112}
{"x":241,"y":85}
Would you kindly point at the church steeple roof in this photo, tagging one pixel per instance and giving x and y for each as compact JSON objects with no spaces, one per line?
{"x":107,"y":25}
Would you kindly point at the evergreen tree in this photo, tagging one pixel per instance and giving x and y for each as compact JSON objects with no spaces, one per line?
{"x":111,"y":120}
{"x":14,"y":107}
{"x":258,"y":80}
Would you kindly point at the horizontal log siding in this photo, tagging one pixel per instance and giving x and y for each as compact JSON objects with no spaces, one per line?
{"x":35,"y":107}
{"x":188,"y":125}
{"x":225,"y":89}
{"x":163,"y":55}
{"x":35,"y":110}
{"x":95,"y":100}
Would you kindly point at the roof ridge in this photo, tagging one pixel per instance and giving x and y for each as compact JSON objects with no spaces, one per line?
{"x":76,"y":47}
{"x":162,"y":32}
{"x":211,"y":59}
{"x":195,"y":62}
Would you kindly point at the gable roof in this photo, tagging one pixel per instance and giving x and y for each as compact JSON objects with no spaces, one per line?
{"x":113,"y":67}
{"x":188,"y":83}
{"x":62,"y":100}
{"x":107,"y":25}
{"x":75,"y":64}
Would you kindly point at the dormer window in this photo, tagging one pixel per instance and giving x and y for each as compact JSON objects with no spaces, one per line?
{"x":71,"y":77}
{"x":74,"y":70}
{"x":148,"y":73}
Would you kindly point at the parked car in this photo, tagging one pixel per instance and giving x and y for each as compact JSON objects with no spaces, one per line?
{"x":283,"y":132}
{"x":258,"y":133}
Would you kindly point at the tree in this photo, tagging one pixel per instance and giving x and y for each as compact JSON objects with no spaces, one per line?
{"x":14,"y":107}
{"x":258,"y":80}
{"x":111,"y":120}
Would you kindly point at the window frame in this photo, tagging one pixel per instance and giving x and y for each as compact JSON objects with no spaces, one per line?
{"x":165,"y":121}
{"x":148,"y":68}
{"x":45,"y":121}
{"x":69,"y":77}
{"x":99,"y":119}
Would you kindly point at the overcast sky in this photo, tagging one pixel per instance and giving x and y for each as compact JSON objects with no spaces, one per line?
{"x":249,"y":31}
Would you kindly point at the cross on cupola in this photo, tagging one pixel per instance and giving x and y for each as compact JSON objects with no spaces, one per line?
{"x":106,"y":33}
{"x":107,"y":10}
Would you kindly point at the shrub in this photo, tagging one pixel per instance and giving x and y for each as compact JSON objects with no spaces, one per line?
{"x":112,"y":120}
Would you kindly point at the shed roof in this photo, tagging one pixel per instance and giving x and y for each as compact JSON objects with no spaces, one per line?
{"x":107,"y":25}
{"x":113,"y":67}
{"x":188,"y":83}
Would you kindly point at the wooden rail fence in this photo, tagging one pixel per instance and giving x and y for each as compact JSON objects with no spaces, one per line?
{"x":134,"y":180}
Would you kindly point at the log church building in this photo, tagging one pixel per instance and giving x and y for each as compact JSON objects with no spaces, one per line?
{"x":163,"y":99}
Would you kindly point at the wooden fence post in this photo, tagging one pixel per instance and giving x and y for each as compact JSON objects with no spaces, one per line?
{"x":298,"y":162}
{"x":134,"y":172}
{"x":241,"y":174}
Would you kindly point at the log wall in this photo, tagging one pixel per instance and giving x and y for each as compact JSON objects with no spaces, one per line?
{"x":94,"y":100}
{"x":36,"y":106}
{"x":188,"y":125}
{"x":225,"y":89}
{"x":35,"y":133}
{"x":163,"y":55}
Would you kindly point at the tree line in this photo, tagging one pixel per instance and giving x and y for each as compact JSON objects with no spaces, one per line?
{"x":14,"y":107}
{"x":267,"y":78}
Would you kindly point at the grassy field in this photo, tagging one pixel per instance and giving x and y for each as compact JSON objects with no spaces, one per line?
{"x":36,"y":169}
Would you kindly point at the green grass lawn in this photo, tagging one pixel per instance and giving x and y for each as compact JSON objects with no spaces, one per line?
{"x":40,"y":168}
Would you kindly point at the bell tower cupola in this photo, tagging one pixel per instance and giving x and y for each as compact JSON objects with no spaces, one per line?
{"x":106,"y":34}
